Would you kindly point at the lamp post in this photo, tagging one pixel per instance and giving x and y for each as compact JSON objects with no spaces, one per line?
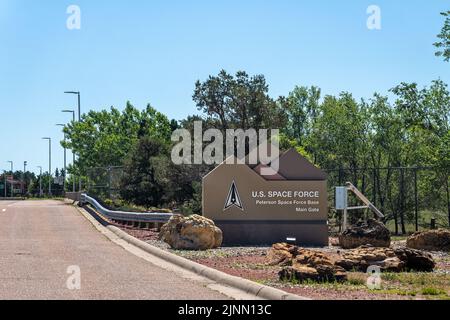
{"x":73,"y":154}
{"x":49,"y":164}
{"x":23,"y":179}
{"x":79,"y":120}
{"x":65,"y":159}
{"x":40,"y":181}
{"x":4,"y":173}
{"x":12,"y":175}
{"x":79,"y":102}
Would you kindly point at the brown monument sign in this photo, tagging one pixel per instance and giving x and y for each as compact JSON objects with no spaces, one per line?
{"x":252,"y":209}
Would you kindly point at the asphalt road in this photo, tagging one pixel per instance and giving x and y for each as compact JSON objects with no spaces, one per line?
{"x":41,"y":240}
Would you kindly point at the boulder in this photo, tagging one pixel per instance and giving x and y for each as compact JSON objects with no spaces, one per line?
{"x":390,"y":260}
{"x":361,"y":258}
{"x":312,"y":265}
{"x":370,"y":232}
{"x":433,"y":240}
{"x":282,"y":254}
{"x":191,"y":233}
{"x":416,"y":260}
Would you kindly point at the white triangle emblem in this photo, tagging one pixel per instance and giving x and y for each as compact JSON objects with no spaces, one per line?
{"x":233,"y":199}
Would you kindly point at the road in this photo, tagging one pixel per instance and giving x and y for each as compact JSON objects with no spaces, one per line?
{"x":40,"y":240}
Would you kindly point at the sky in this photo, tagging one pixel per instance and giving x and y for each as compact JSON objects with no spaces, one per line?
{"x":154,"y":51}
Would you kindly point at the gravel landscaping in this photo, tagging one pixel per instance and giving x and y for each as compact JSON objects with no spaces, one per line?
{"x":251,"y":263}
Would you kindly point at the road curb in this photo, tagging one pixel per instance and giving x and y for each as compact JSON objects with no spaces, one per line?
{"x":250,"y":287}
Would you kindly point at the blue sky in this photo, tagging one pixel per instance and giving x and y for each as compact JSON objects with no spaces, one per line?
{"x":153,"y":52}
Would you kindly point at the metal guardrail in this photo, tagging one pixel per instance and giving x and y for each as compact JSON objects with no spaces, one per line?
{"x":126,"y":216}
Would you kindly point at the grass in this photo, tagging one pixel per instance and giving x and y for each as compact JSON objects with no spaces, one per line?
{"x":396,"y":292}
{"x":354,"y":282}
{"x":416,"y":284}
{"x":431,"y":291}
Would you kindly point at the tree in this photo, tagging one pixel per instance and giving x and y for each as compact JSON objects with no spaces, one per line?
{"x":338,"y":136}
{"x":443,"y":44}
{"x":145,"y":177}
{"x":425,"y":117}
{"x":302,"y":109}
{"x":238,"y":102}
{"x":104,"y":138}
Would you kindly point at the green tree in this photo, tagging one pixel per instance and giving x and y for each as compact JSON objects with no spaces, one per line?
{"x":443,"y":44}
{"x":104,"y":138}
{"x":239,"y":101}
{"x":145,"y":177}
{"x":301,"y":107}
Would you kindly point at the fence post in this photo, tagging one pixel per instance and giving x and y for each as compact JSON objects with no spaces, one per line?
{"x":416,"y":200}
{"x":109,"y":182}
{"x":374,"y":184}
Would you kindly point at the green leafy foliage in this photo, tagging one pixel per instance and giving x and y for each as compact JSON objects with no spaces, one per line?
{"x":104,"y":138}
{"x":443,"y":44}
{"x":145,"y":177}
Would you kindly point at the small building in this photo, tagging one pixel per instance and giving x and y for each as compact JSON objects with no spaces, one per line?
{"x":252,"y":209}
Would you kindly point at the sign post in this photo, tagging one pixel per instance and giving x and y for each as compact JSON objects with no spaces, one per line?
{"x":341,"y":200}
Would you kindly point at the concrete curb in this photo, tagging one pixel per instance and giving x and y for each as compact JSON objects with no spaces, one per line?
{"x":247,"y":286}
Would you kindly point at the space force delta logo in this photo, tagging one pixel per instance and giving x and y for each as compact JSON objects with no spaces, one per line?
{"x":233,"y":199}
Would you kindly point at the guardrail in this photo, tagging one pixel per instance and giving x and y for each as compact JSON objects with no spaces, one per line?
{"x":126,"y":216}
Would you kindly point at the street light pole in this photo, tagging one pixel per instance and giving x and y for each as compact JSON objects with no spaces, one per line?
{"x":65,"y":159}
{"x":12,"y":181}
{"x":79,"y":120}
{"x":49,"y":165}
{"x":40,"y":181}
{"x":73,"y":153}
{"x":23,"y":179}
{"x":4,"y":173}
{"x":79,"y":102}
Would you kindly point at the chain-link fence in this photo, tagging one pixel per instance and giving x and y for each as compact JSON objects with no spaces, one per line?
{"x":104,"y":182}
{"x":410,"y":198}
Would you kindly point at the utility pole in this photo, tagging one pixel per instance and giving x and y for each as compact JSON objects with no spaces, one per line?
{"x":49,"y":165}
{"x":40,"y":181}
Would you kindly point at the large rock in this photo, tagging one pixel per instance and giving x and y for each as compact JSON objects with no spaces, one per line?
{"x":398,"y":260}
{"x":191,"y":233}
{"x":361,"y":258}
{"x":433,"y":240}
{"x":302,"y":264}
{"x":370,"y":232}
{"x":282,"y":254}
{"x":416,"y":260}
